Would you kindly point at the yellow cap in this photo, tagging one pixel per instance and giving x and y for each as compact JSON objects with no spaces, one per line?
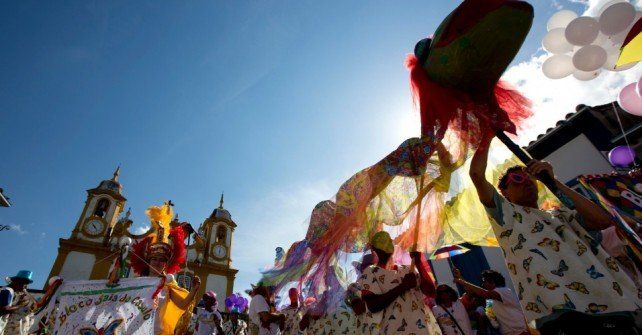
{"x":383,"y":242}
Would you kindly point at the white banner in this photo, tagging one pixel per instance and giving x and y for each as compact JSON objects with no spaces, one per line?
{"x":90,"y":307}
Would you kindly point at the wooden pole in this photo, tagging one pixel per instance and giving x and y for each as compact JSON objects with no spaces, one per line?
{"x":526,"y":158}
{"x":417,"y":221}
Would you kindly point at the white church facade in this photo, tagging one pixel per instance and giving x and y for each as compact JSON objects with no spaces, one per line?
{"x":89,"y":251}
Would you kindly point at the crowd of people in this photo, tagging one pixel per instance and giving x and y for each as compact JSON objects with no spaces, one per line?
{"x":568,"y":266}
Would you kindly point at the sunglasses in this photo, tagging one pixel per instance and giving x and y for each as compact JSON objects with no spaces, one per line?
{"x":517,"y":177}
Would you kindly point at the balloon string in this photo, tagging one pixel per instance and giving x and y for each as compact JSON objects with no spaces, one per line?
{"x":626,"y":140}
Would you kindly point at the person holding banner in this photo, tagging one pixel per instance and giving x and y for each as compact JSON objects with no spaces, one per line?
{"x":554,"y":263}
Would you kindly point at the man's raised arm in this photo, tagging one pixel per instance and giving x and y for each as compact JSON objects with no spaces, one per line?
{"x":485,"y":190}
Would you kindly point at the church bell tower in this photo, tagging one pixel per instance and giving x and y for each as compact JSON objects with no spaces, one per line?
{"x":82,"y":255}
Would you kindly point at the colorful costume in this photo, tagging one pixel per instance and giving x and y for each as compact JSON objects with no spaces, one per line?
{"x":168,"y":243}
{"x":406,"y":315}
{"x":18,"y":322}
{"x":556,"y":265}
{"x":293,"y":316}
{"x":235,"y":328}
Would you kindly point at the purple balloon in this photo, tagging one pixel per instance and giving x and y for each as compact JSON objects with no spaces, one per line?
{"x":229,"y":303}
{"x":630,"y":100}
{"x":622,"y":156}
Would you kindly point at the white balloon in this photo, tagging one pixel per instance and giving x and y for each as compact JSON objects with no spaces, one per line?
{"x":561,"y":19}
{"x":616,"y":18}
{"x":607,"y":5}
{"x":582,"y":31}
{"x":589,"y":58}
{"x":619,"y":38}
{"x":601,"y":40}
{"x":625,"y":67}
{"x":586,"y":76}
{"x":612,"y":54}
{"x":555,"y":42}
{"x":611,"y":60}
{"x":558,"y":66}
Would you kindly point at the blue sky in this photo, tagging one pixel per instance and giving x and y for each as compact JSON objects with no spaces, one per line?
{"x":274,"y":102}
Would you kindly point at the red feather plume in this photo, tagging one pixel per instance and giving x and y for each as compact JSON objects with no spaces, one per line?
{"x":179,"y":254}
{"x":137,"y":260}
{"x":442,"y":108}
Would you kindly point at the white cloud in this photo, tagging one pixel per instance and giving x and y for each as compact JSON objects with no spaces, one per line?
{"x":17,"y":228}
{"x":593,"y":7}
{"x":139,"y":230}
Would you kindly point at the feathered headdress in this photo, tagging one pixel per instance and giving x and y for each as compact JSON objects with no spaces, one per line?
{"x":165,"y":242}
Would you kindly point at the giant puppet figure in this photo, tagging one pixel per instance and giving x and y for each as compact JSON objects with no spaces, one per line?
{"x":457,"y":72}
{"x":162,"y":254}
{"x":455,"y":83}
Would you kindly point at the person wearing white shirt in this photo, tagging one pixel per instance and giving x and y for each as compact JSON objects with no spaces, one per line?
{"x":450,"y":312}
{"x":261,"y":315}
{"x":506,"y":306}
{"x":208,"y":318}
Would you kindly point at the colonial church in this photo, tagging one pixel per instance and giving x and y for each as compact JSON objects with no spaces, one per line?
{"x":89,"y":251}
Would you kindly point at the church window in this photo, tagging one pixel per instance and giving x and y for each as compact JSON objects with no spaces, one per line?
{"x":221,"y":234}
{"x":101,"y":208}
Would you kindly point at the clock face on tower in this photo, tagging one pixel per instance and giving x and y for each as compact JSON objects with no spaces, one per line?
{"x":219,"y":251}
{"x":94,"y":227}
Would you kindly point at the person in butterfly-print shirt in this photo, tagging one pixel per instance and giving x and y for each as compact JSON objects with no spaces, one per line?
{"x":393,"y":299}
{"x":292,"y":313}
{"x":354,"y":297}
{"x":553,"y":262}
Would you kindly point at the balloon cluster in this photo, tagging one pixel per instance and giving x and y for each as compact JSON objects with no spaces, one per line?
{"x":583,"y":46}
{"x":236,"y":303}
{"x":630,"y":98}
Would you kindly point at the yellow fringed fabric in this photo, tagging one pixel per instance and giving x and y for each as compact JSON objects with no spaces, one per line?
{"x":171,"y":316}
